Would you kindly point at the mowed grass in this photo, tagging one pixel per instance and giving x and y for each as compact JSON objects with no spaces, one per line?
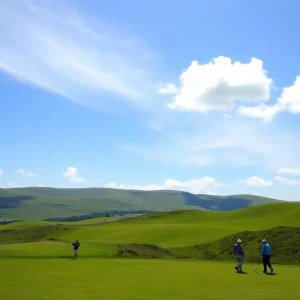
{"x":55,"y":249}
{"x":130,"y":279}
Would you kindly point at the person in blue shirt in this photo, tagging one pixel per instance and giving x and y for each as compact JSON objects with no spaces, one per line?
{"x":266,"y":252}
{"x":238,"y":251}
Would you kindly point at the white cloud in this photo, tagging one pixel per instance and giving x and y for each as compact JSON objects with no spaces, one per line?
{"x":256,"y":181}
{"x":290,"y":97}
{"x":227,"y":116}
{"x":286,"y":181}
{"x":262,"y":111}
{"x":59,"y":49}
{"x":26,"y":173}
{"x":288,"y":101}
{"x":202,"y":185}
{"x":10,"y":185}
{"x":1,"y":172}
{"x":111,"y":185}
{"x":290,"y":171}
{"x":71,"y":175}
{"x":218,"y":84}
{"x":168,"y":89}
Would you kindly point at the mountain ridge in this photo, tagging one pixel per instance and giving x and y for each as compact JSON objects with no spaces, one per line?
{"x":37,"y":203}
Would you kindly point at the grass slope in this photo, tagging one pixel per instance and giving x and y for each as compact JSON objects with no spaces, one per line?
{"x":285,"y":242}
{"x":188,"y":228}
{"x":177,"y":232}
{"x":42,"y":203}
{"x":129,"y":279}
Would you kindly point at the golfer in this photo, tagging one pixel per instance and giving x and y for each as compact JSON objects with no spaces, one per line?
{"x":238,"y":251}
{"x":76,"y":245}
{"x":266,"y":252}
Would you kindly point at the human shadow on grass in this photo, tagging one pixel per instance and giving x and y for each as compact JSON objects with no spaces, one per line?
{"x":241,"y":273}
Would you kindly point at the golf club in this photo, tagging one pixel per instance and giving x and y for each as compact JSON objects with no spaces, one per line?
{"x":255,"y":270}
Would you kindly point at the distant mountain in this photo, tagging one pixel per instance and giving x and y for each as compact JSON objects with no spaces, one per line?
{"x":38,"y":203}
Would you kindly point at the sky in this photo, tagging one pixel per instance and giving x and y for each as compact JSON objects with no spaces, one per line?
{"x":198,"y":96}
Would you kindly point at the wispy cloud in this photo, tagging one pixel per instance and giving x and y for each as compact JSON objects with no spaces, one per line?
{"x":10,"y":185}
{"x":286,"y":181}
{"x":290,"y":171}
{"x":1,"y":172}
{"x":26,"y":173}
{"x":51,"y":45}
{"x":201,"y":185}
{"x":230,"y":142}
{"x":256,"y":181}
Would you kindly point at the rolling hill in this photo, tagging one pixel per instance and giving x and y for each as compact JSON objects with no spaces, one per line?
{"x":36,"y":203}
{"x":184,"y":234}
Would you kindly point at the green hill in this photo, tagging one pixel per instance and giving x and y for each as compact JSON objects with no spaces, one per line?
{"x":195,"y":234}
{"x":35,"y":203}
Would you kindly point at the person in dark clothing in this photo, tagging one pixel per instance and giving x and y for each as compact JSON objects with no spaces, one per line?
{"x":238,"y":251}
{"x":76,"y":246}
{"x":266,"y":252}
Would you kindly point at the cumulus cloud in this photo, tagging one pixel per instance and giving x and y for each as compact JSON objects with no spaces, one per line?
{"x":201,"y":185}
{"x":256,"y":181}
{"x":288,"y":101}
{"x":290,"y":97}
{"x":217,"y":85}
{"x":25,"y":173}
{"x":71,"y":175}
{"x":60,"y":49}
{"x":286,"y":181}
{"x":1,"y":172}
{"x":290,"y":171}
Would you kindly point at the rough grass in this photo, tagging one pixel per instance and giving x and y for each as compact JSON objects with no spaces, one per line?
{"x":131,"y":279}
{"x":285,"y":243}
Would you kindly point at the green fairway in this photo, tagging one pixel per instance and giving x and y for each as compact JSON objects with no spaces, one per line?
{"x":55,"y":249}
{"x":129,"y":279}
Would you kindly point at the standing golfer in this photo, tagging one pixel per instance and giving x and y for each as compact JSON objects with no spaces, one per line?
{"x":266,"y":252}
{"x":238,"y":251}
{"x":76,"y":245}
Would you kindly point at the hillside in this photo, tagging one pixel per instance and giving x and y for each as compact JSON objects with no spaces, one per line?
{"x":194,"y":234}
{"x":43,"y":203}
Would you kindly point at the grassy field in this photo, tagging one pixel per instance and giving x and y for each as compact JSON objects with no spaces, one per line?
{"x":140,"y":257}
{"x":130,"y":279}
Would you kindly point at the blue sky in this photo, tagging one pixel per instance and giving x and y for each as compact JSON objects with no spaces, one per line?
{"x":201,"y":96}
